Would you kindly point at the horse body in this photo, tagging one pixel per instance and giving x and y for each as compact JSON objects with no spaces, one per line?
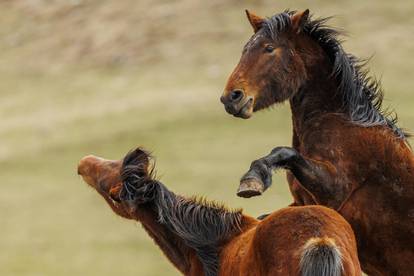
{"x":276,"y":245}
{"x":347,"y":153}
{"x":204,"y":238}
{"x":376,"y":198}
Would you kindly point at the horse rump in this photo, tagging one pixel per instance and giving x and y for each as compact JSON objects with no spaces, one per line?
{"x":321,"y":257}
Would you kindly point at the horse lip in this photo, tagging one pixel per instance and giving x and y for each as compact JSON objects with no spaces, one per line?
{"x":244,"y":107}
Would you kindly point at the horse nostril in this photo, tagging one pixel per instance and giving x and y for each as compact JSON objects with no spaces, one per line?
{"x":236,"y":96}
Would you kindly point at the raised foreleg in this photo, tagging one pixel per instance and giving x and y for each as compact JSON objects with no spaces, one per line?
{"x":316,"y":177}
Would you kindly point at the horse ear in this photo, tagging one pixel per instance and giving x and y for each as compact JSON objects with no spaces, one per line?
{"x":255,"y":20}
{"x":298,"y":20}
{"x":139,"y":159}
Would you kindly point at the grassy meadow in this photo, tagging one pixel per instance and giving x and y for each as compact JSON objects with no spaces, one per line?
{"x":102,"y":77}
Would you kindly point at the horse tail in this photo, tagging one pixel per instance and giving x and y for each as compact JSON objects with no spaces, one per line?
{"x":321,"y":257}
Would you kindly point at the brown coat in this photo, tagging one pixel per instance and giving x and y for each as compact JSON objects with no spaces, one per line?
{"x":291,"y":241}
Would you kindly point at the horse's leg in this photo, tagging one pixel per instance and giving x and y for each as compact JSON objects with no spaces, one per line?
{"x":318,"y":178}
{"x":300,"y":196}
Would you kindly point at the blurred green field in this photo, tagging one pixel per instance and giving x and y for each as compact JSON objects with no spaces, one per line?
{"x":101,"y":77}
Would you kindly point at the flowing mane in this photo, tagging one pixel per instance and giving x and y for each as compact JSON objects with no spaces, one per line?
{"x":203,"y":225}
{"x":362,"y":94}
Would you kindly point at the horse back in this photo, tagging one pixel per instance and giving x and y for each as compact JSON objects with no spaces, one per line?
{"x":283,"y":238}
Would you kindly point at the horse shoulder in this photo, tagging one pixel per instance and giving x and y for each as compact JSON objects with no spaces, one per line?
{"x":238,"y":257}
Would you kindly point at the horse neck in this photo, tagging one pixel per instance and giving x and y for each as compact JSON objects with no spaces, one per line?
{"x":173,"y":247}
{"x":185,"y":258}
{"x":319,"y":94}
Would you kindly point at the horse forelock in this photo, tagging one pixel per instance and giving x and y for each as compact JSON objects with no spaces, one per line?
{"x":137,"y":174}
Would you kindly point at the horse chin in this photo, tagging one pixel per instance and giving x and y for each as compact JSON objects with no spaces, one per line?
{"x":98,"y":186}
{"x":243,"y":114}
{"x":88,"y":180}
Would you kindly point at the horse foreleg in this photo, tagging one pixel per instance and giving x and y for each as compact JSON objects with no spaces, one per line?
{"x":318,"y":178}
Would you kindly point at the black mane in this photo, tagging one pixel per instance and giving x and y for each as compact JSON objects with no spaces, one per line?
{"x":362,"y":94}
{"x":202,"y":225}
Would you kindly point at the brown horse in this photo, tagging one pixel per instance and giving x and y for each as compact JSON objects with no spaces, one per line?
{"x":347,"y":153}
{"x":201,"y":237}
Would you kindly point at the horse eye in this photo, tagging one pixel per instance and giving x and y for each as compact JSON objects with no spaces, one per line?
{"x":269,"y":48}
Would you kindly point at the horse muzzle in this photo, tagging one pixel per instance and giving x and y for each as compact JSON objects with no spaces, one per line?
{"x":238,"y":105}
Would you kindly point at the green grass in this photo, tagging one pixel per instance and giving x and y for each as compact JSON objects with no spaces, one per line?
{"x":56,"y":107}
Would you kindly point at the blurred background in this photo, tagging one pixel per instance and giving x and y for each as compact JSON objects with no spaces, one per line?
{"x":100,"y":77}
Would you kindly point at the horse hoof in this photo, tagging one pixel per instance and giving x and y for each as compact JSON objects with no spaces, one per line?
{"x":250,"y":187}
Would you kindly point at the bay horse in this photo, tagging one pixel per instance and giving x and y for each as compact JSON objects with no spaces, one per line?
{"x":347,"y":152}
{"x":205,"y":238}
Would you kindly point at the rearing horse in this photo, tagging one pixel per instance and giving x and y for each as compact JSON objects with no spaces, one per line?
{"x":347,"y":153}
